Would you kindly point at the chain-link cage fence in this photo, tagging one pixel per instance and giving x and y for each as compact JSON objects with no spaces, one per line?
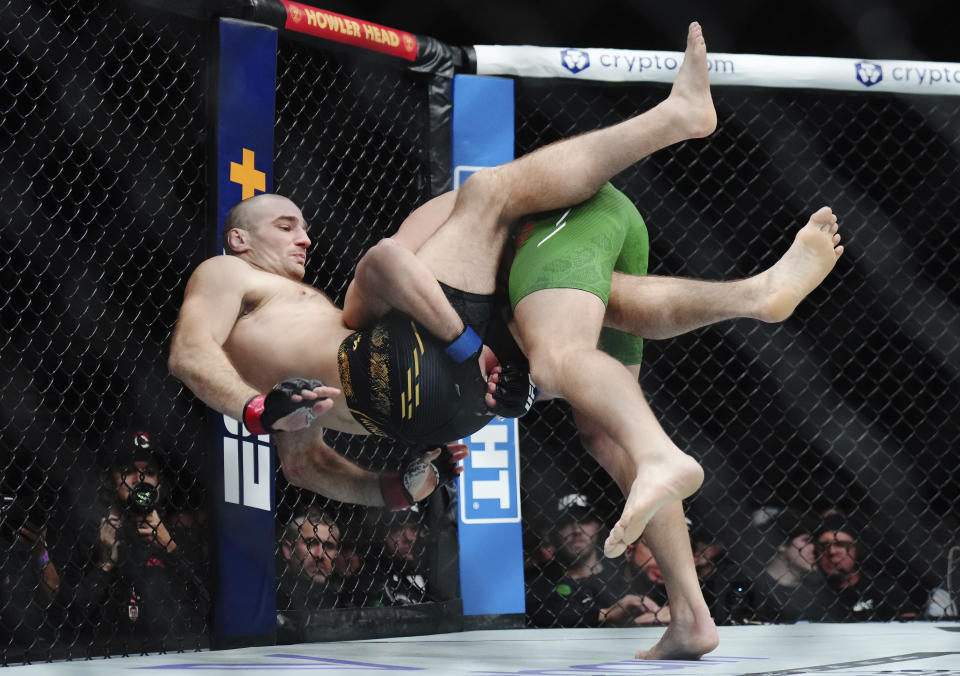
{"x":849,"y":405}
{"x":843,"y":417}
{"x":102,"y":153}
{"x":351,"y":150}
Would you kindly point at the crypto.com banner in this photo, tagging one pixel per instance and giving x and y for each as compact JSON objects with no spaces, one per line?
{"x":755,"y":70}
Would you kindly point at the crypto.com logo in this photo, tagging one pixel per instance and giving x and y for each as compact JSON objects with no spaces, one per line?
{"x":575,"y":60}
{"x":868,"y":73}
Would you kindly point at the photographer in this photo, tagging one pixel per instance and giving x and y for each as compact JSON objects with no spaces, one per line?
{"x":29,"y":580}
{"x":143,"y":580}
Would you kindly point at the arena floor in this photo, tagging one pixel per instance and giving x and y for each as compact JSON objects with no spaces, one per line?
{"x":839,"y":649}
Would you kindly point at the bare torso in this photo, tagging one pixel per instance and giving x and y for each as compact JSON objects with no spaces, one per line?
{"x":287,"y":329}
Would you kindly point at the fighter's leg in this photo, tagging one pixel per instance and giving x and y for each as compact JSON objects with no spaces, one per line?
{"x":662,"y":307}
{"x":569,"y":171}
{"x":565,"y":362}
{"x":565,"y":173}
{"x":692,"y":632}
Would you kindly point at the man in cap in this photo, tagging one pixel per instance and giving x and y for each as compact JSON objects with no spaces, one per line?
{"x":852,"y":593}
{"x":578,"y":587}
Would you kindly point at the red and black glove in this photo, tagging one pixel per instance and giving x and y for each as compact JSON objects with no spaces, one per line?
{"x":261,"y":412}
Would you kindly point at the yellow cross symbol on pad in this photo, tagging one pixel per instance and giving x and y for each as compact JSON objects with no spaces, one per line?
{"x":247,"y":176}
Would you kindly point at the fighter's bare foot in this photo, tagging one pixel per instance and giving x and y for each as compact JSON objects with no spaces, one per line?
{"x":655,"y":485}
{"x":684,"y":640}
{"x":806,"y":263}
{"x":690,"y":100}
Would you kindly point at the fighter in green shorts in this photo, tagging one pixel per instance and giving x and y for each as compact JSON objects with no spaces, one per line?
{"x":580,"y":248}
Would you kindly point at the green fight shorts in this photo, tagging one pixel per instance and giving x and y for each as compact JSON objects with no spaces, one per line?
{"x":580,"y":248}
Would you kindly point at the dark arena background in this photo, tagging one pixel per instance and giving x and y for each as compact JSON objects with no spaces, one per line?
{"x":849,"y":410}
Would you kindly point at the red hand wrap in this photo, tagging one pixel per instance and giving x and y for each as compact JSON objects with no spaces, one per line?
{"x":251,"y":415}
{"x":395,"y":496}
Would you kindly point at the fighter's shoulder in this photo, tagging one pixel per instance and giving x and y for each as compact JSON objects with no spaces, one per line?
{"x":223,"y":263}
{"x":223,"y":268}
{"x":223,"y":276}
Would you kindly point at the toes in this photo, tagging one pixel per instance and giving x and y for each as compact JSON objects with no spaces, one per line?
{"x":838,"y":251}
{"x":823,"y":218}
{"x":614,"y":545}
{"x":613,"y":550}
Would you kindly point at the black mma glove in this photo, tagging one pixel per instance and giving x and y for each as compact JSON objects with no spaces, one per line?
{"x":395,"y":487}
{"x":261,"y":412}
{"x":515,"y":392}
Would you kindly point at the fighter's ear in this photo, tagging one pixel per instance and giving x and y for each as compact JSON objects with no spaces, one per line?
{"x":286,"y":548}
{"x":238,"y":240}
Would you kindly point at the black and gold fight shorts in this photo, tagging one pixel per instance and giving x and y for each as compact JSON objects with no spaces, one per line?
{"x":398,"y":383}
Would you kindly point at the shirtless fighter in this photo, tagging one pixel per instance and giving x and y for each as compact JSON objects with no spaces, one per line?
{"x":247,"y":322}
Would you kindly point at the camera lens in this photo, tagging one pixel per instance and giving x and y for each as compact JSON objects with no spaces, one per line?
{"x":143,"y":498}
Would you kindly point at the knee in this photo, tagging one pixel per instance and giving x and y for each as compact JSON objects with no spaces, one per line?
{"x":485,"y":189}
{"x":547,"y":364}
{"x":376,"y":260}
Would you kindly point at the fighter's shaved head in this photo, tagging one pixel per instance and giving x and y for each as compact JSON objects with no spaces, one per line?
{"x":244,"y":214}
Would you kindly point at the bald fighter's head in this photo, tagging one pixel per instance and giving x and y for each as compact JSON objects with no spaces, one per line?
{"x":268,"y":231}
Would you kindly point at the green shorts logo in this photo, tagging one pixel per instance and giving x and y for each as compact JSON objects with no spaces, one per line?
{"x":563,"y":590}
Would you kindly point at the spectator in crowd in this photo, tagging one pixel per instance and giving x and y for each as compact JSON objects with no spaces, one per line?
{"x":851,"y":593}
{"x":348,"y":563}
{"x":642,"y":577}
{"x":577,"y":588}
{"x":310,"y":570}
{"x":538,"y":549}
{"x":394,"y":574}
{"x":785,"y":591}
{"x":309,"y":552}
{"x":707,"y":556}
{"x":144,"y":581}
{"x":716,"y":571}
{"x":29,"y":579}
{"x":943,"y":601}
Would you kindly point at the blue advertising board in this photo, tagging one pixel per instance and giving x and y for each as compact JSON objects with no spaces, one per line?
{"x":242,"y":464}
{"x":490,"y":534}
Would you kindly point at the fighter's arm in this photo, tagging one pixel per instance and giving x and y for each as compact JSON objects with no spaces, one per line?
{"x":390,"y":276}
{"x":212,"y":303}
{"x":309,"y":462}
